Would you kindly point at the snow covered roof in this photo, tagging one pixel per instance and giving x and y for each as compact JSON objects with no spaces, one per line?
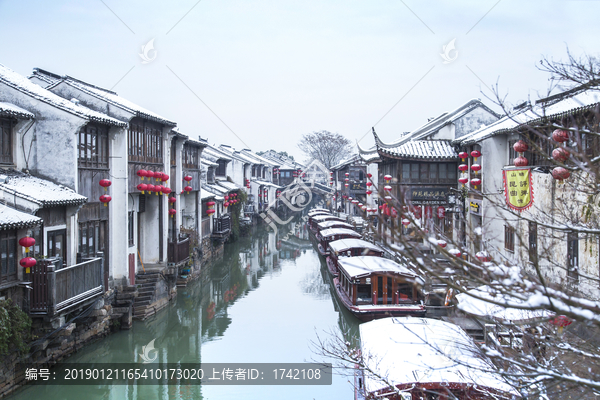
{"x":318,"y":209}
{"x":205,"y":194}
{"x":24,"y":85}
{"x":14,"y":219}
{"x":338,"y":231}
{"x":325,"y":217}
{"x":194,"y":142}
{"x":265,"y":183}
{"x":486,"y":309}
{"x":10,"y":110}
{"x":208,"y":163}
{"x":347,"y":244}
{"x":107,"y":95}
{"x":215,"y":153}
{"x":257,"y":159}
{"x":368,"y":156}
{"x":419,"y":149}
{"x":422,"y":350}
{"x":216,"y":193}
{"x":230,"y":151}
{"x":282,"y":161}
{"x":355,"y":158}
{"x":359,"y":266}
{"x":39,"y":191}
{"x":228,"y":185}
{"x":337,"y":224}
{"x":552,"y":107}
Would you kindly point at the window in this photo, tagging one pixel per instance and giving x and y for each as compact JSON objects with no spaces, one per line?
{"x":191,"y":157}
{"x":222,"y":168}
{"x":509,"y":238}
{"x":91,"y":238}
{"x":173,"y":155}
{"x":130,"y":228}
{"x":6,"y":126}
{"x":93,"y":146}
{"x":573,"y":256}
{"x":57,"y":243}
{"x":145,"y":142}
{"x":429,"y":172}
{"x":8,"y":255}
{"x":533,"y":252}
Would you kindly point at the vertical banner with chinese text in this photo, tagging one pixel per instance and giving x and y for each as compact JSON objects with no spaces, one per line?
{"x":518,"y":188}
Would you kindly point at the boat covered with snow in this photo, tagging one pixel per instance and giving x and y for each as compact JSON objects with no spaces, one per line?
{"x":350,"y":248}
{"x":326,"y":236}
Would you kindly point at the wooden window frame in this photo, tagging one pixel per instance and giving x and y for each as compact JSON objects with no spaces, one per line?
{"x":221,"y":169}
{"x":6,"y":140}
{"x":145,"y":144}
{"x":8,"y":241}
{"x":93,"y":150}
{"x":509,"y":238}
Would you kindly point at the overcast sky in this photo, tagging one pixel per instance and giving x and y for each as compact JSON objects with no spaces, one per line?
{"x":261,"y":73}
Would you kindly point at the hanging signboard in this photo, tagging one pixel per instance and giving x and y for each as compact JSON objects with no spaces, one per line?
{"x":518,"y":188}
{"x":475,"y":207}
{"x":428,"y":195}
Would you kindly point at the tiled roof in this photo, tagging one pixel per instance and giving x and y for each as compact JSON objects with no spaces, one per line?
{"x":370,"y":155}
{"x":10,"y":110}
{"x":228,"y":185}
{"x":24,"y":85}
{"x":39,"y":191}
{"x":14,"y":219}
{"x":555,"y":106}
{"x":422,"y":150}
{"x":106,"y":95}
{"x":348,"y":161}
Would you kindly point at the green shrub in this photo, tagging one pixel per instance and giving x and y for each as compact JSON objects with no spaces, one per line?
{"x":15,"y":328}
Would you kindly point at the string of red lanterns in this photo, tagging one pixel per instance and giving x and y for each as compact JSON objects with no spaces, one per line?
{"x":560,"y":154}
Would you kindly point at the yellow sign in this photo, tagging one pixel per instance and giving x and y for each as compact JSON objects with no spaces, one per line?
{"x":518,"y":189}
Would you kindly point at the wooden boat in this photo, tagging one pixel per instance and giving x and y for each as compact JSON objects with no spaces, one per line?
{"x":313,"y":221}
{"x":350,"y":248}
{"x":424,"y":358}
{"x":329,"y":235}
{"x":375,"y":287}
{"x":333,"y":224}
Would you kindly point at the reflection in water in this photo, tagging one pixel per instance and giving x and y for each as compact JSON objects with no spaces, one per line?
{"x":265,"y":301}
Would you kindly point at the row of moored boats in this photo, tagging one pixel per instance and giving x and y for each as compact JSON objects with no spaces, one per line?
{"x":422,"y":358}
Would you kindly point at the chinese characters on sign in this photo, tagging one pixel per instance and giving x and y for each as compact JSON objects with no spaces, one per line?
{"x":518,"y":188}
{"x":429,"y":196}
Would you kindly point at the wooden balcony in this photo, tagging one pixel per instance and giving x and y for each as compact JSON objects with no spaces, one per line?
{"x":221,"y":227}
{"x":178,"y":252}
{"x":55,"y":289}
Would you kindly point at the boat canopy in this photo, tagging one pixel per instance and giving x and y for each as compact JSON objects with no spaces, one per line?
{"x":325,"y":233}
{"x":347,"y":244}
{"x":411,"y":350}
{"x":328,"y":224}
{"x":325,"y":217}
{"x":361,"y":266}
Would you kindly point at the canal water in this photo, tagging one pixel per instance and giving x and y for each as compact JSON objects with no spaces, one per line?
{"x":267,"y":301}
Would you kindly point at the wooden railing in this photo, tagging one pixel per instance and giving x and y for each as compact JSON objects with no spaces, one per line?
{"x":179,"y":251}
{"x":57,"y":289}
{"x":222,"y":224}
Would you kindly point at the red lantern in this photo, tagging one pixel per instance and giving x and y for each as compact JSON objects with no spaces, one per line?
{"x":142,"y":187}
{"x":441,"y":212}
{"x":387,"y":178}
{"x":150,"y":188}
{"x":158,"y":176}
{"x":188,"y":189}
{"x":476,"y":182}
{"x":210,"y":212}
{"x":520,"y":147}
{"x":347,"y":180}
{"x":560,"y":154}
{"x":476,"y":167}
{"x":105,"y":183}
{"x":172,"y":200}
{"x":405,"y":222}
{"x":521,"y":162}
{"x":345,"y":184}
{"x":483,"y":256}
{"x":142,"y":173}
{"x":463,"y":180}
{"x":330,"y":184}
{"x":226,"y":197}
{"x":158,"y":189}
{"x":105,"y":199}
{"x":475,"y":154}
{"x":149,"y":174}
{"x":560,"y":135}
{"x":369,"y":184}
{"x":166,"y":190}
{"x":381,"y":207}
{"x":561,"y":321}
{"x":463,"y":155}
{"x":210,"y":204}
{"x":347,"y":174}
{"x":463,"y":167}
{"x":188,"y":178}
{"x":442,"y":243}
{"x":27,"y":263}
{"x":172,"y":212}
{"x":369,"y":175}
{"x":164,"y":177}
{"x":455,"y":252}
{"x":27,"y":242}
{"x":387,"y":188}
{"x":560,"y":173}
{"x":369,"y":192}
